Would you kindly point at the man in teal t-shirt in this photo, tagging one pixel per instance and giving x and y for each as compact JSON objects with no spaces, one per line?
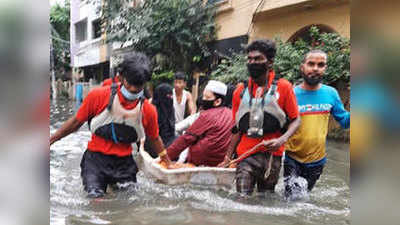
{"x":305,"y":150}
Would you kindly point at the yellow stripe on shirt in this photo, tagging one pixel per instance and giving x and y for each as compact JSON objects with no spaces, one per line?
{"x":308,"y":143}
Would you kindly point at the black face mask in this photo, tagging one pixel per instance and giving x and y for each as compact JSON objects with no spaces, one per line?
{"x":256,"y":69}
{"x":207,"y":104}
{"x":312,"y":81}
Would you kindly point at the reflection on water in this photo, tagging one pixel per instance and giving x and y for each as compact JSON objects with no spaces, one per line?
{"x":153,"y":203}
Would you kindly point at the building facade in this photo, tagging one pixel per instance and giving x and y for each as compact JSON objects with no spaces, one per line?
{"x":241,"y":21}
{"x":279,"y":18}
{"x":89,"y":51}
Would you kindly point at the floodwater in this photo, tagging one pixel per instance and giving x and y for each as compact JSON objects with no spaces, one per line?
{"x":153,"y":203}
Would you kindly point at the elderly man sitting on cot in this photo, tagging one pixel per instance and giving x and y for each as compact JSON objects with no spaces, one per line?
{"x":209,"y":136}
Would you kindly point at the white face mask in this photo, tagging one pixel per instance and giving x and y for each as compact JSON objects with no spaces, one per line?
{"x":130,"y":96}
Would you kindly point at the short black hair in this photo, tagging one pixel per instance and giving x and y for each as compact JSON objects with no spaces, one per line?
{"x":136,"y":68}
{"x":180,"y":76}
{"x":319,"y":51}
{"x":265,"y":46}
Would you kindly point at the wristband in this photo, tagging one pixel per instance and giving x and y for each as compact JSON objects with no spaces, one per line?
{"x":235,"y":130}
{"x":163,"y":153}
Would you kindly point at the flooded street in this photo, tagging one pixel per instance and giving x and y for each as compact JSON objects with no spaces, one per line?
{"x":153,"y":203}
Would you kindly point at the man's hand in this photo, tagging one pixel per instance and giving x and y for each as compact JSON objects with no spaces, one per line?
{"x":232,"y":146}
{"x":158,"y":146}
{"x":167,"y":161}
{"x":71,"y":125}
{"x":274,"y":144}
{"x":52,"y":140}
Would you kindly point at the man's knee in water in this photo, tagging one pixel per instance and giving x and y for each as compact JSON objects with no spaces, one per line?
{"x":244,"y":182}
{"x":124,"y":186}
{"x":94,"y":192}
{"x":295,"y":186}
{"x":292,"y":188}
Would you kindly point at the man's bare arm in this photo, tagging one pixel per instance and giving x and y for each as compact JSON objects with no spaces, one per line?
{"x":158,"y":146}
{"x":70,"y":126}
{"x":191,"y":105}
{"x":293,"y":126}
{"x":231,"y":148}
{"x":275,"y":143}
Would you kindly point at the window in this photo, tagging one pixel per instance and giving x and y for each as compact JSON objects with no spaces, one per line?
{"x":81,"y":31}
{"x":96,"y":27}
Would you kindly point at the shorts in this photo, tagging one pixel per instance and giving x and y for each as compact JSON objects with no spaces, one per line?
{"x":99,"y":170}
{"x":251,"y":171}
{"x":293,"y":169}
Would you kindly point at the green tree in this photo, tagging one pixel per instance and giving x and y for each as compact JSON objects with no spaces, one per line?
{"x":174,"y":33}
{"x":231,"y":70}
{"x":289,"y":57}
{"x":60,"y":25}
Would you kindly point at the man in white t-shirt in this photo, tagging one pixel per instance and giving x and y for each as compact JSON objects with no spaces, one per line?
{"x":182,"y":99}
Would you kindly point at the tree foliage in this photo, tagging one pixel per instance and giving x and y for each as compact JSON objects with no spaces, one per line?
{"x":163,"y":77}
{"x":174,"y":33}
{"x":289,"y":57}
{"x":232,"y":70}
{"x":60,"y":33}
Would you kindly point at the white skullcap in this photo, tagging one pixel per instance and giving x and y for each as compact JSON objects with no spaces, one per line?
{"x":216,"y":87}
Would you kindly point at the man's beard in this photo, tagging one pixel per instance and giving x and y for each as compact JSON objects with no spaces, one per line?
{"x":312,"y":79}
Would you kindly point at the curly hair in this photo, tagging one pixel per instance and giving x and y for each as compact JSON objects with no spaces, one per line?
{"x":136,"y":68}
{"x":265,"y":46}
